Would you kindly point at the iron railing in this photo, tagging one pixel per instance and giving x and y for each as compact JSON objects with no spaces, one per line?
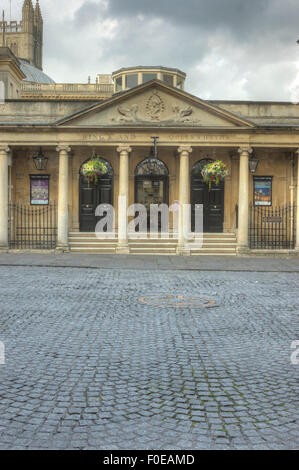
{"x":32,"y":227}
{"x":272,"y":227}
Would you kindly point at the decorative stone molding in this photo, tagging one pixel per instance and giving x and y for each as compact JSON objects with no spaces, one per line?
{"x":63,"y":148}
{"x":124,"y":148}
{"x":155,"y":109}
{"x":245,"y":149}
{"x":4,"y":149}
{"x":185,"y":149}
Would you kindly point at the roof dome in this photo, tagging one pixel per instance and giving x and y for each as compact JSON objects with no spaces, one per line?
{"x":33,"y":74}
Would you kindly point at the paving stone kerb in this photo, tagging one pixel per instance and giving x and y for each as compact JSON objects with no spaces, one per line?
{"x":90,"y":366}
{"x":191,"y":263}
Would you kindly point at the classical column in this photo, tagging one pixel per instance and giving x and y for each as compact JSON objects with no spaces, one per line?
{"x":123,"y":199}
{"x":243,"y":199}
{"x":184,"y":198}
{"x":4,"y":153}
{"x":297,"y":204}
{"x":63,"y":209}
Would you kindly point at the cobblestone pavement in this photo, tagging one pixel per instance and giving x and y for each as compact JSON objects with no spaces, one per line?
{"x":88,"y":365}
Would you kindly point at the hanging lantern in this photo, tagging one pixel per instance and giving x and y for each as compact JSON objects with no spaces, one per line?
{"x":40,"y":161}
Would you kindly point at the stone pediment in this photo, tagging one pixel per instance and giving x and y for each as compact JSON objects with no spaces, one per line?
{"x":155,"y":104}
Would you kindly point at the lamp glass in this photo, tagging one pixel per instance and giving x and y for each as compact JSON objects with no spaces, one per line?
{"x":253,"y":164}
{"x":40,"y":161}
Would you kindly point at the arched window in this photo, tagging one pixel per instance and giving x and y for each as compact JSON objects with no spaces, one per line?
{"x":151,"y":167}
{"x":198,"y":167}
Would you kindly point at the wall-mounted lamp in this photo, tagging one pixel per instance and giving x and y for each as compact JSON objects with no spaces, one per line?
{"x":253,"y":164}
{"x":40,"y":160}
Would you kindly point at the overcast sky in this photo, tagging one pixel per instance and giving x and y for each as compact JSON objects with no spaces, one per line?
{"x":230,"y":49}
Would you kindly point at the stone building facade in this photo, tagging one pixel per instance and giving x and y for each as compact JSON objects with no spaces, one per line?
{"x":116,"y":118}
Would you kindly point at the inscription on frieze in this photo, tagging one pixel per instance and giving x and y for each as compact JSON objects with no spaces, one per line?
{"x":109,"y":137}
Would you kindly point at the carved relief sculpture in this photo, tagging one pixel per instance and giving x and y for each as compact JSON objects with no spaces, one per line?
{"x":184,"y":114}
{"x":155,"y":106}
{"x":127,"y":114}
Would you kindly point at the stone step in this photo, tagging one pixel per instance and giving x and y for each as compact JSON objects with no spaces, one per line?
{"x":214,"y":250}
{"x":213,"y":254}
{"x":152,"y":250}
{"x":92,"y":240}
{"x":91,"y":250}
{"x":218,"y":245}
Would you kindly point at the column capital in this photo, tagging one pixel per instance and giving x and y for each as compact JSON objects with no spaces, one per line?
{"x":245,"y":149}
{"x":185,"y":148}
{"x":4,"y":148}
{"x":63,"y":148}
{"x":124,"y":148}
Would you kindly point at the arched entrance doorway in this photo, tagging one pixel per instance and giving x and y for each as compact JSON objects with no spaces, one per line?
{"x":151,"y":184}
{"x":91,"y":195}
{"x":212,"y":201}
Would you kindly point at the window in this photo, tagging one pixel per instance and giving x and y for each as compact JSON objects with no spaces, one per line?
{"x":131,"y":80}
{"x":119,"y":84}
{"x":151,"y":166}
{"x":180,"y":83}
{"x":147,"y":77}
{"x":168,"y":79}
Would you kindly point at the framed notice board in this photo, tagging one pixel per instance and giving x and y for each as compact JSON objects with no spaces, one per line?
{"x":39,"y":190}
{"x":262,"y":192}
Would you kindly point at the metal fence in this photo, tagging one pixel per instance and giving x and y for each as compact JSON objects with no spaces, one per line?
{"x":272,"y":227}
{"x":32,"y":227}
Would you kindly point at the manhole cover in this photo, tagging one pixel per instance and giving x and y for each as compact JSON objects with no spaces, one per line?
{"x":182,"y":301}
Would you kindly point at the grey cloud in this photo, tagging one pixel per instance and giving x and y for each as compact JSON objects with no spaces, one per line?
{"x":240,"y":17}
{"x":230,"y":49}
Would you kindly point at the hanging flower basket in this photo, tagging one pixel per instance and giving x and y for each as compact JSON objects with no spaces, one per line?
{"x":93,"y":169}
{"x":214,"y":173}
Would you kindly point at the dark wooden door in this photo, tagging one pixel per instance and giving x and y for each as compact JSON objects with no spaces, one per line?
{"x":213,"y":205}
{"x":90,"y":197}
{"x":151,"y":190}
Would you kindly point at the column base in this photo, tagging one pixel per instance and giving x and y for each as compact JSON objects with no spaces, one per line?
{"x":4,"y":248}
{"x":183,"y":250}
{"x":243,"y":250}
{"x":62,"y":249}
{"x":123,"y":248}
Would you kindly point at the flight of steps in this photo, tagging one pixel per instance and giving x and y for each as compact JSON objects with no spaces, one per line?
{"x":217,"y":244}
{"x":214,"y":244}
{"x":148,"y":246}
{"x":81,"y":242}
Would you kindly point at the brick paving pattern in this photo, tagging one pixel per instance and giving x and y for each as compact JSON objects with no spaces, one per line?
{"x":89,"y":366}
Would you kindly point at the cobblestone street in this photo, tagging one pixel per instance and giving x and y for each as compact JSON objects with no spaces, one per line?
{"x":106,"y":359}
